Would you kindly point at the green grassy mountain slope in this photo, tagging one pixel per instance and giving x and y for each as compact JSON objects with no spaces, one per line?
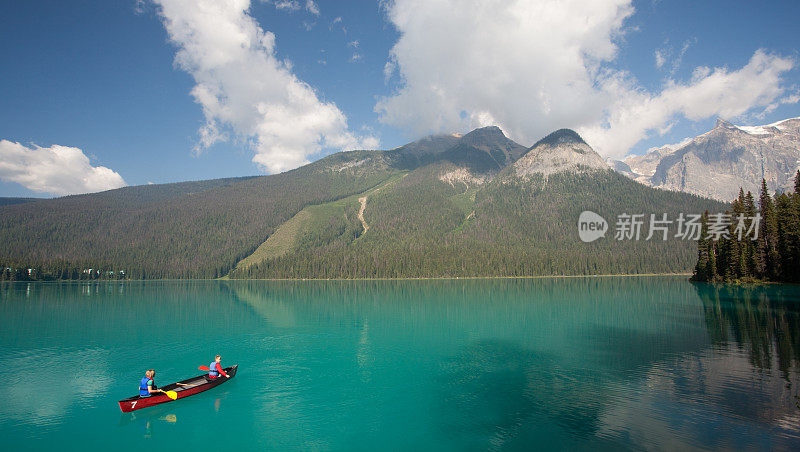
{"x":317,"y":225}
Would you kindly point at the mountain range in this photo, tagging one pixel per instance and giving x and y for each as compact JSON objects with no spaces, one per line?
{"x":444,"y":206}
{"x":718,"y":163}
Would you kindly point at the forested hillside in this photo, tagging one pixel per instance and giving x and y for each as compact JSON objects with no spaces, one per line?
{"x":187,"y":230}
{"x":443,"y":206}
{"x":425,"y":227}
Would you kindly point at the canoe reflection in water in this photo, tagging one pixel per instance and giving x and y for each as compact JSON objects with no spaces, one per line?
{"x":148,"y":420}
{"x":148,"y":424}
{"x":162,"y":413}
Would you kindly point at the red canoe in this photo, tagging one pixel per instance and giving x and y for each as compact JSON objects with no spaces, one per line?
{"x":183,"y":388}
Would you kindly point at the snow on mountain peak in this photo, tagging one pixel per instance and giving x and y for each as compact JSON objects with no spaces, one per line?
{"x":765,"y":130}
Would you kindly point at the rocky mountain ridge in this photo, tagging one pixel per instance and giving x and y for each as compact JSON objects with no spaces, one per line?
{"x":484,"y":150}
{"x":561,"y":151}
{"x":728,"y":157}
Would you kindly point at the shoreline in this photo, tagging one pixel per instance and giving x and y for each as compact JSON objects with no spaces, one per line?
{"x":424,"y":278}
{"x":431,"y":278}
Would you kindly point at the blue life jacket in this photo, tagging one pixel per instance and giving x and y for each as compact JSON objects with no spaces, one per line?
{"x":143,"y":387}
{"x":213,"y":369}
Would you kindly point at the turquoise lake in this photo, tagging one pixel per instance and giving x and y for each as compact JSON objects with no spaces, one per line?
{"x":503,"y":364}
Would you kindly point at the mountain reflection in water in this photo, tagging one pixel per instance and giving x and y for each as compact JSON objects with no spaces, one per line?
{"x":499,"y":364}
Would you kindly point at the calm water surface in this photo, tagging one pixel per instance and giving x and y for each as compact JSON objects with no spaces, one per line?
{"x":579,"y":364}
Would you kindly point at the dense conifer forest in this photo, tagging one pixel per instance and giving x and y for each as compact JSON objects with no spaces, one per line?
{"x":424,"y":227}
{"x":184,"y":230}
{"x":756,"y":241}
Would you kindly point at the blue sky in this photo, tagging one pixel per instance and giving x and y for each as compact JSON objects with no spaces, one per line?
{"x":100,"y":94}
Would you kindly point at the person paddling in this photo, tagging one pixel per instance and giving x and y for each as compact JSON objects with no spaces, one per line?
{"x":215,"y":369}
{"x":147,"y":386}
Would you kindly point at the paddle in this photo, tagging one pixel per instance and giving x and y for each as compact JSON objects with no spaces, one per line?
{"x":204,"y":369}
{"x":171,"y":394}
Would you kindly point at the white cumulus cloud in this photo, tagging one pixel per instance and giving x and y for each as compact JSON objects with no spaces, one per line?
{"x":58,"y":170}
{"x":529,"y":66}
{"x":534,"y":66}
{"x":633,"y":113}
{"x":243,"y":88}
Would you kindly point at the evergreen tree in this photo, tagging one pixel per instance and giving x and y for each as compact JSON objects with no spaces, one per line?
{"x":712,"y":267}
{"x":788,"y":218}
{"x":797,"y":183}
{"x":701,"y":269}
{"x":712,"y":262}
{"x":768,"y":250}
{"x":750,"y":253}
{"x":786,"y":224}
{"x":732,"y":245}
{"x":794,"y":272}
